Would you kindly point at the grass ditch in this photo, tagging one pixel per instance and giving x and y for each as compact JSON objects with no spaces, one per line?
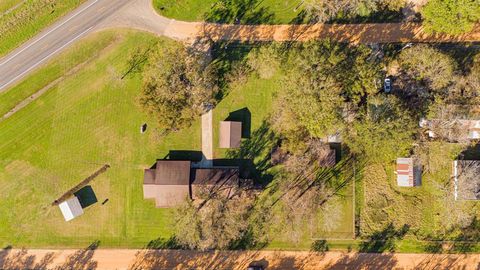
{"x":27,"y":19}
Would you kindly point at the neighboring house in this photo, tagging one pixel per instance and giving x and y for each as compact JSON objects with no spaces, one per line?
{"x":466,"y":175}
{"x":171,"y":182}
{"x":409,"y":174}
{"x":230,"y":134}
{"x":71,"y":208}
{"x":458,"y":129}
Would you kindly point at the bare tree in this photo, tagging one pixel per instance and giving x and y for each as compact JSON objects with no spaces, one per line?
{"x":468,"y":186}
{"x":305,"y":187}
{"x":452,"y":213}
{"x":446,"y":123}
{"x":215,"y":220}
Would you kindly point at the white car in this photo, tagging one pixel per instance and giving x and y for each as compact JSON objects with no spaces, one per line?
{"x":387,"y":85}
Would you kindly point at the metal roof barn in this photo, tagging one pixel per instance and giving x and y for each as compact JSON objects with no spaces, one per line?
{"x":71,"y":208}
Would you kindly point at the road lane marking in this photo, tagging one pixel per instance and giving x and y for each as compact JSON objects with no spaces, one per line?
{"x":43,"y":59}
{"x":49,"y":32}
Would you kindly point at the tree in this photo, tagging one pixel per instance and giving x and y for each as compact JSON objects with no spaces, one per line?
{"x":177,"y":86}
{"x":383,"y":132}
{"x":429,"y":65}
{"x":306,"y":188}
{"x":308,"y":111}
{"x":264,"y":61}
{"x":322,"y":79}
{"x":215,"y":220}
{"x":445,"y":121}
{"x":326,"y":10}
{"x":362,"y":75}
{"x":453,"y":17}
{"x":310,"y":103}
{"x":468,"y":181}
{"x":472,"y":80}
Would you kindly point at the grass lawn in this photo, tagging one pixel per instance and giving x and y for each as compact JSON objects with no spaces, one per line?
{"x":422,"y":209}
{"x":28,"y":19}
{"x":80,"y":54}
{"x":89,"y":119}
{"x":283,"y":11}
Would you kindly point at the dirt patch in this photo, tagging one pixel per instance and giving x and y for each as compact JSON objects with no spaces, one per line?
{"x":178,"y":259}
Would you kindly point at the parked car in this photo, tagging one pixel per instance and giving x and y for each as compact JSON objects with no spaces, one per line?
{"x":387,"y":85}
{"x":253,"y":267}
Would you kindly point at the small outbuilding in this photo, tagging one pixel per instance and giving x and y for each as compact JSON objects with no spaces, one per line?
{"x":71,"y":208}
{"x":230,"y":134}
{"x":408,"y":173}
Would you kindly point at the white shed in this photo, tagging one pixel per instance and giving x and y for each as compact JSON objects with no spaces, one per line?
{"x":71,"y":208}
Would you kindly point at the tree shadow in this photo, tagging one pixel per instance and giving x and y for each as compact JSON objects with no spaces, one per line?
{"x":357,"y":261}
{"x":248,"y":241}
{"x":471,"y":153}
{"x":379,"y":16}
{"x":239,"y":12}
{"x":257,"y":149}
{"x":4,"y":254}
{"x":384,"y":240}
{"x":22,"y":260}
{"x":81,"y":259}
{"x":164,"y":243}
{"x":242,"y":115}
{"x":228,"y":56}
{"x":319,"y":246}
{"x":184,"y":259}
{"x":463,"y":53}
{"x":86,"y":196}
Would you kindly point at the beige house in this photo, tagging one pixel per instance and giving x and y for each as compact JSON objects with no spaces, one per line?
{"x":230,"y":134}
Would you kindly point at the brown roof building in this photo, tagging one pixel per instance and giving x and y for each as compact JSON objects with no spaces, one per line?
{"x":230,"y":134}
{"x":173,"y":181}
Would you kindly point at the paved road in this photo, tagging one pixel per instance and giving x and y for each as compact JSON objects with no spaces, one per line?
{"x":77,"y":24}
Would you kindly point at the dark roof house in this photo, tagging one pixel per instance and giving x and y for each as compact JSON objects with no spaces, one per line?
{"x":173,"y":181}
{"x":168,"y":183}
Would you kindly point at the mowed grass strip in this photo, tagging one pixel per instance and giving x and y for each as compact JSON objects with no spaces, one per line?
{"x":91,"y":118}
{"x":28,"y":19}
{"x":284,"y":11}
{"x":6,"y":5}
{"x":87,"y":50}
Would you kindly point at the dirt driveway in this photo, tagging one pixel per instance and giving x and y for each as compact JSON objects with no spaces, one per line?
{"x":173,"y":259}
{"x":139,"y":14}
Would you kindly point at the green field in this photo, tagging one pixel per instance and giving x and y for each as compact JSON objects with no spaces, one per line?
{"x":281,"y":11}
{"x":89,"y":119}
{"x":28,"y":19}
